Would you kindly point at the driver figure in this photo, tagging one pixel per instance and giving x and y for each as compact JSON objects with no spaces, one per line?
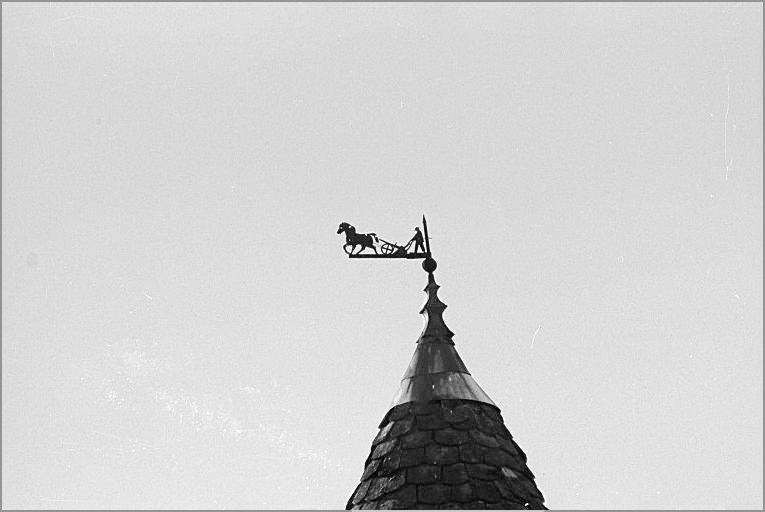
{"x":417,"y":239}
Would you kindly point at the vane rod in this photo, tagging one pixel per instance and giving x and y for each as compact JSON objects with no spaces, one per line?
{"x":408,"y":256}
{"x":427,"y":238}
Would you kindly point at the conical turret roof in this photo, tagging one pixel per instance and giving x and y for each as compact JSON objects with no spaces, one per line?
{"x":443,"y":444}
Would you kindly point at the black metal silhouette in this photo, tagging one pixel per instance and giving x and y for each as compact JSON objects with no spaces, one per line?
{"x":387,"y":249}
{"x":393,"y":250}
{"x":352,"y":239}
{"x":417,"y":239}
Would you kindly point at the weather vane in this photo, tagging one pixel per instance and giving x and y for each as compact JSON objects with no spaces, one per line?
{"x":418,"y":247}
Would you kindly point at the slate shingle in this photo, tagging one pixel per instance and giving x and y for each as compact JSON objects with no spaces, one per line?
{"x":441,"y":455}
{"x":384,"y":485}
{"x":455,"y":414}
{"x":416,"y":439}
{"x":455,"y":474}
{"x":484,"y":439}
{"x":470,"y":452}
{"x":508,"y":445}
{"x":482,"y":471}
{"x":431,"y":422}
{"x":425,"y":408}
{"x":361,"y":491}
{"x":405,"y":497}
{"x":500,"y":458}
{"x":435,"y":494}
{"x":383,"y":433}
{"x":450,"y":436}
{"x":486,"y":491}
{"x":462,"y":493}
{"x":485,"y":424}
{"x":425,"y":474}
{"x":388,"y":464}
{"x":399,"y":412}
{"x":383,"y":449}
{"x":468,"y":424}
{"x":371,"y":469}
{"x":412,"y":457}
{"x":402,"y":426}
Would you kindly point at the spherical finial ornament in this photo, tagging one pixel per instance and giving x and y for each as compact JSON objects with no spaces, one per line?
{"x":429,"y":265}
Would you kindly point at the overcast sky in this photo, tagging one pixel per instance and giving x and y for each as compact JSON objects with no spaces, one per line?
{"x":181,"y":329}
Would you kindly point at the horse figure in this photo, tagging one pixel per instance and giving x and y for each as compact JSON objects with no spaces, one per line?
{"x":353,"y":239}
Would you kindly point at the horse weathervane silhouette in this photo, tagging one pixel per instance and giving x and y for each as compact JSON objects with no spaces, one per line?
{"x":417,"y":248}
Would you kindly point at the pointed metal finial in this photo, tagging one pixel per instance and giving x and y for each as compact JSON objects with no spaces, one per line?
{"x":435,"y":328}
{"x":436,"y":371}
{"x":427,"y":238}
